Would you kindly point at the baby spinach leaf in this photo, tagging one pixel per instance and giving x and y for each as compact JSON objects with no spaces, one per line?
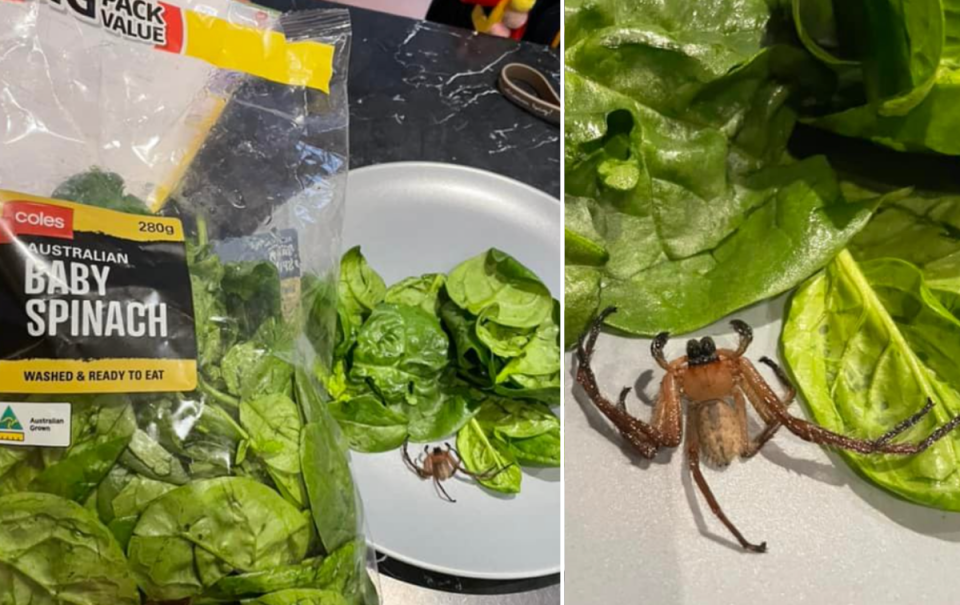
{"x":540,"y":355}
{"x":232,"y":521}
{"x":330,"y":488}
{"x":368,"y":424}
{"x":544,"y":449}
{"x":136,"y":495}
{"x":55,"y":552}
{"x":922,"y":229}
{"x":252,"y":294}
{"x":898,"y":84}
{"x":868,"y":344}
{"x":148,"y":458}
{"x":581,"y":287}
{"x":420,"y":292}
{"x":308,"y":395}
{"x":101,"y":428}
{"x":712,"y":180}
{"x":494,"y":278}
{"x":501,"y":340}
{"x":472,"y":354}
{"x":274,"y":425}
{"x":360,"y":290}
{"x":111,"y":486}
{"x":544,"y":388}
{"x":444,"y":415}
{"x":251,"y":370}
{"x":127,"y":505}
{"x":98,"y":188}
{"x":511,"y":419}
{"x":335,"y":572}
{"x":581,"y":242}
{"x":482,"y":455}
{"x":299,"y":596}
{"x":401,"y":350}
{"x":18,"y":467}
{"x":925,"y":128}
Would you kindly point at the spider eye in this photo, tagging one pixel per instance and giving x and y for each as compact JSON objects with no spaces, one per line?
{"x":707,"y":347}
{"x":437,"y":450}
{"x":693,"y":349}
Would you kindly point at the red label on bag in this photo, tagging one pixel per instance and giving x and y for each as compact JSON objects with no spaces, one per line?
{"x":31,"y":218}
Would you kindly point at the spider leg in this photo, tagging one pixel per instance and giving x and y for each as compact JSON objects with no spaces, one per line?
{"x":762,"y":396}
{"x":656,"y":349}
{"x":442,"y":492}
{"x":905,"y":424}
{"x":693,"y":463}
{"x":410,"y":463}
{"x":645,"y":438}
{"x":753,"y":446}
{"x":485,"y":475}
{"x":745,"y":333}
{"x":772,"y":424}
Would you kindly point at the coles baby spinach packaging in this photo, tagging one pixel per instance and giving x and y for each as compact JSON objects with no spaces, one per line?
{"x":171,"y":186}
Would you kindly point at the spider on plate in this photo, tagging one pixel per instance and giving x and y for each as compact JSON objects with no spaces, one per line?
{"x":441,"y":464}
{"x":707,"y":377}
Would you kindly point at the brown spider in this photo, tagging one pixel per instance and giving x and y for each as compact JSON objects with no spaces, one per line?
{"x":707,"y":377}
{"x":441,"y":465}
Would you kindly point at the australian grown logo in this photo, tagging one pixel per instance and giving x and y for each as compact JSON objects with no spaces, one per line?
{"x":140,"y":20}
{"x":10,"y":427}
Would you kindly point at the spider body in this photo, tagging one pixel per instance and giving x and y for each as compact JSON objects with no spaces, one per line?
{"x":719,"y":432}
{"x":717,"y":385}
{"x":441,"y":464}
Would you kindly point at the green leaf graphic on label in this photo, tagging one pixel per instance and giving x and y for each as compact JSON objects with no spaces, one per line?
{"x":9,"y":421}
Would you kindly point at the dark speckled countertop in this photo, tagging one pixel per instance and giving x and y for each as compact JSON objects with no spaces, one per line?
{"x":424,"y":91}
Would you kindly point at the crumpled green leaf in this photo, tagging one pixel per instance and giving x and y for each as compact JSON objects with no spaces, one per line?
{"x":360,"y":290}
{"x":481,"y":454}
{"x":924,"y":230}
{"x":867,"y":344}
{"x":899,"y":85}
{"x":423,"y":291}
{"x":717,"y":212}
{"x":368,"y":424}
{"x":192,"y":536}
{"x":401,"y":350}
{"x":54,"y":552}
{"x":495,"y":280}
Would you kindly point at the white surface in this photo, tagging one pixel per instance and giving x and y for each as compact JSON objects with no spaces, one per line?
{"x":640,"y":532}
{"x":413,"y":218}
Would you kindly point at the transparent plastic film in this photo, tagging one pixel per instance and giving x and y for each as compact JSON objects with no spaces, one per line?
{"x":172,"y":183}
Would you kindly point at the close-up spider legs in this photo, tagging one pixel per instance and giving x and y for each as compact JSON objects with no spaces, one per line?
{"x":717,"y":384}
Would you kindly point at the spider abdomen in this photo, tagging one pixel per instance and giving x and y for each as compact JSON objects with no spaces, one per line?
{"x":439,"y":466}
{"x":721,"y":439}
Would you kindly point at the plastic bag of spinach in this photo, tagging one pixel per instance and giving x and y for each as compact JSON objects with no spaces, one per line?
{"x":169,"y":246}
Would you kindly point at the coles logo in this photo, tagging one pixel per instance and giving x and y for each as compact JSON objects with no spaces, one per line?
{"x":34,"y":218}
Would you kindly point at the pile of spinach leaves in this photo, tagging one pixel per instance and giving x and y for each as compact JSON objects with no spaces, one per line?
{"x":721,"y":152}
{"x":238,"y":492}
{"x":475,"y":352}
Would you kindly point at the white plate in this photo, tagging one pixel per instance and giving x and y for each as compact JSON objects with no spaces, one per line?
{"x":640,"y":532}
{"x":412,"y":218}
